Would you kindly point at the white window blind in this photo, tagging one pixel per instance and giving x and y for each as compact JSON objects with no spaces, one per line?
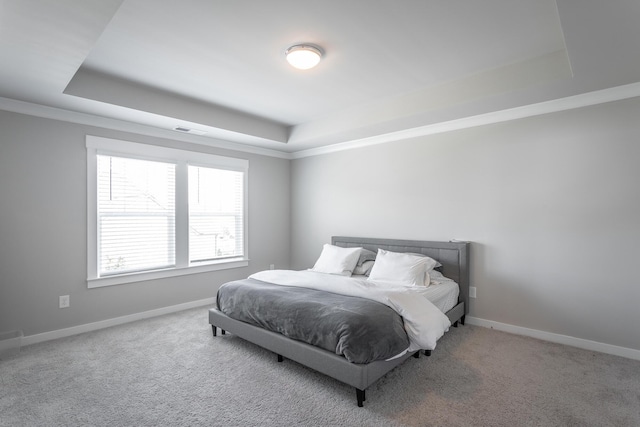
{"x":216,"y":214}
{"x":136,"y":215}
{"x":157,"y":212}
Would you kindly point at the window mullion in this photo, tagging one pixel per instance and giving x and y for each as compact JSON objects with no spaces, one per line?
{"x":182,"y":215}
{"x":129,"y":225}
{"x":93,"y":235}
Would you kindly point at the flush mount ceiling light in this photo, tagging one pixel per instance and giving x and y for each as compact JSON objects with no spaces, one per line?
{"x":303,"y":56}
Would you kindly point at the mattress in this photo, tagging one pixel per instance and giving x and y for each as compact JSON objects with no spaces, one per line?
{"x":360,"y":329}
{"x":424,"y":322}
{"x":442,"y":292}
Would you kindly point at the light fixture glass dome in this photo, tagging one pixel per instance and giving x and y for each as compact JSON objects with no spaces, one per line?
{"x":303,"y":56}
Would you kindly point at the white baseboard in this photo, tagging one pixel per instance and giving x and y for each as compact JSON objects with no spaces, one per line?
{"x":556,"y":338}
{"x":518,"y":330}
{"x":61,"y":333}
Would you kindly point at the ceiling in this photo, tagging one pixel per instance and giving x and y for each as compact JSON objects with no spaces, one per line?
{"x":218,"y":66}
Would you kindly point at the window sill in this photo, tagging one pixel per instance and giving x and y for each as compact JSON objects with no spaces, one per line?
{"x":226,"y":264}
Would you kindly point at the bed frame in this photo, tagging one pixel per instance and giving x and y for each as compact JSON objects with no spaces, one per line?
{"x":454,"y":257}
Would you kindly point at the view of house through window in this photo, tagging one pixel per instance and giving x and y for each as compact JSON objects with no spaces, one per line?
{"x":215,"y":213}
{"x":136,"y":215}
{"x":160,"y":212}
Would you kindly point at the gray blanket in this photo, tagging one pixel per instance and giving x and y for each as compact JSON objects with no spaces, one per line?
{"x":360,"y":329}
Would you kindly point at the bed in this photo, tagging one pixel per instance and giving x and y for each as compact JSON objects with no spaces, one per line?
{"x":454,"y":260}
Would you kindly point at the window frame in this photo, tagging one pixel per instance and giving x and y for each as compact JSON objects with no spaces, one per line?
{"x":182,"y":159}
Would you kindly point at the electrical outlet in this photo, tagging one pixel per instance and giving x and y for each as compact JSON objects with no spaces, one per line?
{"x":64,"y":301}
{"x":472,"y":291}
{"x":272,"y":266}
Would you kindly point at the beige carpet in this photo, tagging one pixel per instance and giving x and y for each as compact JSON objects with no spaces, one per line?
{"x":170,"y":371}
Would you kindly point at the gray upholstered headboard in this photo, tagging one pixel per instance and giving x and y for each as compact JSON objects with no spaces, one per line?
{"x":454,"y":256}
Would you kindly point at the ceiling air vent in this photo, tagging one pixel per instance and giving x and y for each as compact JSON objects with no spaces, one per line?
{"x":189,"y":130}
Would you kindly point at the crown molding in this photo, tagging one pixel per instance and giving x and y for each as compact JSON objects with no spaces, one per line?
{"x":61,"y":114}
{"x":617,"y":93}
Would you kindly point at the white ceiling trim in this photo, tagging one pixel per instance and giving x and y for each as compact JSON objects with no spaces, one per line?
{"x":617,"y":93}
{"x":54,"y":113}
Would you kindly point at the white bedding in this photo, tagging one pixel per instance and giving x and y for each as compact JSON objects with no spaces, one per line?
{"x":443,"y":292}
{"x":423,"y":321}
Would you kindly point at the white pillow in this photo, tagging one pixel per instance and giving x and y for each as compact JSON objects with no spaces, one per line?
{"x":337,"y":260}
{"x":400,"y":269}
{"x":431,"y":264}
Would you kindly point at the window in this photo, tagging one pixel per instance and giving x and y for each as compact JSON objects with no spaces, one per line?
{"x":136,"y":215}
{"x":215,"y":214}
{"x":159,"y":212}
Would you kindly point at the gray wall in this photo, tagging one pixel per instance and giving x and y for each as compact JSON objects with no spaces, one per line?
{"x":551,"y":204}
{"x":43,"y":229}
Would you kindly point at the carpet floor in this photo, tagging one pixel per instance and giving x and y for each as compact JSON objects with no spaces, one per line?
{"x":171,"y":371}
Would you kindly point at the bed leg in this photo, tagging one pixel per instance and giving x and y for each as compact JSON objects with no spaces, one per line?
{"x":455,"y":324}
{"x":213,"y":328}
{"x":280,"y":358}
{"x":462,"y":320}
{"x":223,"y":331}
{"x":427,"y":353}
{"x":360,"y":395}
{"x":417,"y":354}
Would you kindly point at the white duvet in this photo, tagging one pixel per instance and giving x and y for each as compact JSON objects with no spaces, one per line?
{"x":423,"y":321}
